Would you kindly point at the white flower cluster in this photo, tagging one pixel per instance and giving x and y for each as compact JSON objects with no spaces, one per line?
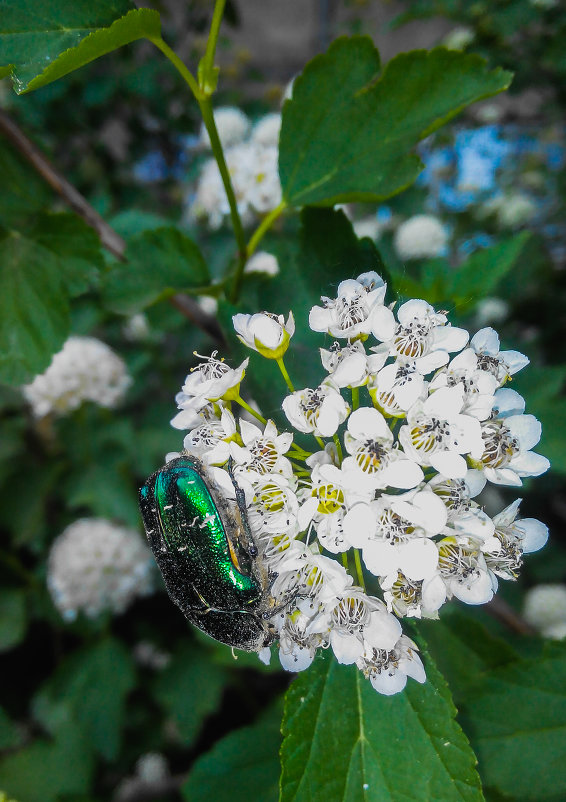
{"x":95,"y":565}
{"x":252,"y":164}
{"x":422,"y":236}
{"x":417,"y":424}
{"x":86,"y":369}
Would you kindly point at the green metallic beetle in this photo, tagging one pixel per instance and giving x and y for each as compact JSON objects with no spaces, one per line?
{"x":211,"y":564}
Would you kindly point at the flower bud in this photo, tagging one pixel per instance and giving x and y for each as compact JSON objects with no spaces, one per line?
{"x":265,"y":332}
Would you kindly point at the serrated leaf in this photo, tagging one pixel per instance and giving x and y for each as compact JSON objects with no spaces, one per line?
{"x":242,"y":766}
{"x":517,"y":724}
{"x":76,"y":246}
{"x":346,"y":743}
{"x":160,"y":263}
{"x":43,"y":44}
{"x":349,"y":131}
{"x":46,"y":769}
{"x":190,"y":688}
{"x":12,"y":618}
{"x":34,"y":308}
{"x":89,"y":689}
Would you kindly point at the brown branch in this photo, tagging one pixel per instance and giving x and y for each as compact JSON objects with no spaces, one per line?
{"x":109,"y":238}
{"x":499,"y":609}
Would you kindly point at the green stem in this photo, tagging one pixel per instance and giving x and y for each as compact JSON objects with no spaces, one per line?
{"x":206,"y":68}
{"x":344,"y":558}
{"x":320,"y":441}
{"x":239,"y":400}
{"x":208,"y":118}
{"x":264,"y":227}
{"x":205,"y":104}
{"x":181,"y":68}
{"x":359,"y":569}
{"x":285,"y":375}
{"x":338,"y":445}
{"x":355,"y":397}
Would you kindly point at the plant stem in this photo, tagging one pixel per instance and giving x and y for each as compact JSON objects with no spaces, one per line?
{"x":180,"y":66}
{"x":285,"y":375}
{"x":264,"y":226}
{"x":355,"y":397}
{"x":359,"y":569}
{"x":207,"y":63}
{"x":344,"y":558}
{"x":338,"y":445}
{"x":239,"y":400}
{"x":320,"y":441}
{"x":205,"y":105}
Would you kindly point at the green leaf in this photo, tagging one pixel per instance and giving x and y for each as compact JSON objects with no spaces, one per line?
{"x":464,"y":651}
{"x":190,"y":688}
{"x":482,"y":272}
{"x":242,"y":766}
{"x":517,"y":724}
{"x":34,"y":308}
{"x":12,"y":618}
{"x":344,"y":742}
{"x":349,"y":130}
{"x":9,"y":736}
{"x":160,"y":263}
{"x":75,"y":244}
{"x":46,"y":769}
{"x":24,"y":192}
{"x":89,"y":688}
{"x":42,"y":45}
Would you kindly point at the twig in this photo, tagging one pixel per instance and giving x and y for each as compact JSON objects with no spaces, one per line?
{"x":499,"y":609}
{"x":109,"y":238}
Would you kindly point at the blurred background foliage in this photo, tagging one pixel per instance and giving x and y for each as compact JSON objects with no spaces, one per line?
{"x":139,"y":705}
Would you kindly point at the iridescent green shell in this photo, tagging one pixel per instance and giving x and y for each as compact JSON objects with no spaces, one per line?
{"x":203,"y":546}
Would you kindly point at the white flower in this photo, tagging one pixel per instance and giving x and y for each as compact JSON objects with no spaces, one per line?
{"x":507,"y":440}
{"x":84,"y":370}
{"x":211,"y":380}
{"x":262,"y":262}
{"x":388,"y":670}
{"x":513,"y":538}
{"x":211,"y":440}
{"x":545,"y":610}
{"x":264,"y":190}
{"x":266,"y":130}
{"x":265,"y":332}
{"x":136,"y":328}
{"x":500,"y":364}
{"x":356,"y":623}
{"x":437,"y":434}
{"x":491,"y":310}
{"x":357,"y":311}
{"x":320,"y":411}
{"x":420,"y":237}
{"x":394,"y":533}
{"x":463,"y":569}
{"x":423,"y":336}
{"x":232,"y":125}
{"x":275,"y":506}
{"x":478,"y":384}
{"x":349,"y":365}
{"x":95,"y":566}
{"x":414,"y":598}
{"x":515,"y":209}
{"x":374,"y":461}
{"x":262,"y":452}
{"x":458,"y":38}
{"x":297,"y":648}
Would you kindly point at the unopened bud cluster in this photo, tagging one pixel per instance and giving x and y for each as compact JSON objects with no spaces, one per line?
{"x":409,"y":419}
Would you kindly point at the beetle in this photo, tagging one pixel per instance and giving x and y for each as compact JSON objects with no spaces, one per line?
{"x":211,"y":564}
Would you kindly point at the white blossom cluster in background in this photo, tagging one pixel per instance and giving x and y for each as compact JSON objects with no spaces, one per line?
{"x":86,"y":369}
{"x":380,"y":520}
{"x":96,"y":566}
{"x":251,"y":155}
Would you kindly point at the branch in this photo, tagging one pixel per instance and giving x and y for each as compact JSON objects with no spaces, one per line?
{"x":109,"y":238}
{"x":499,"y":609}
